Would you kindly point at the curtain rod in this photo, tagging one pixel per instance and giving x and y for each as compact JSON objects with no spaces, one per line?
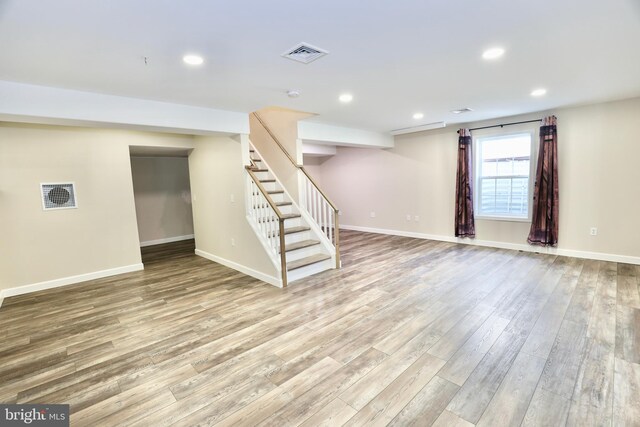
{"x":506,"y":124}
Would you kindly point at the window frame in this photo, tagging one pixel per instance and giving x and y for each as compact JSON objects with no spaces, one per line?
{"x":477,"y":162}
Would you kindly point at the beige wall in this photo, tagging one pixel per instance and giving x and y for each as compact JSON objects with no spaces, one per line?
{"x":313,"y":165}
{"x":37,"y":246}
{"x":162,"y":196}
{"x":217,"y":176}
{"x":102,"y":234}
{"x":283,"y":124}
{"x":599,"y":177}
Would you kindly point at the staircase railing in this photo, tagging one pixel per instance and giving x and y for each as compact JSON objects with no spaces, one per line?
{"x":321,"y":209}
{"x":268,"y":219}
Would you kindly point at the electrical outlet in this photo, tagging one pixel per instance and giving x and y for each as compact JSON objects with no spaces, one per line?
{"x":233,"y":198}
{"x":593,"y":231}
{"x":372,"y":214}
{"x":408,"y":217}
{"x":416,"y":218}
{"x":233,"y":241}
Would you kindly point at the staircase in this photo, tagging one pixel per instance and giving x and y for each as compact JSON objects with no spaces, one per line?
{"x":280,"y":222}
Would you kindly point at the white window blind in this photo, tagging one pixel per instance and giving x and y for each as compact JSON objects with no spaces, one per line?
{"x":503,"y":168}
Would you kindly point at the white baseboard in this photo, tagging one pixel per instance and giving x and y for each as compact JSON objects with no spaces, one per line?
{"x":50,"y":284}
{"x":166,"y":240}
{"x":625,"y":259}
{"x":241,"y":268}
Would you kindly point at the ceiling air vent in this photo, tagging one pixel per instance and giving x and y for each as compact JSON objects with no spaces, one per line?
{"x":58,"y":196}
{"x":305,"y":53}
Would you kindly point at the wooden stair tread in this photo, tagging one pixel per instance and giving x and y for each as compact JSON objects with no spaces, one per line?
{"x":266,"y":180}
{"x":285,"y":216}
{"x":300,"y":245}
{"x":292,"y":230}
{"x":259,"y":170}
{"x":256,"y":160}
{"x":303,"y":262}
{"x":275,"y":191}
{"x":277,"y":204}
{"x":298,"y":229}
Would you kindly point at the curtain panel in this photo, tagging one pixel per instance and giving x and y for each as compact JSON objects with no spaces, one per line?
{"x":544,"y":224}
{"x":464,"y":220}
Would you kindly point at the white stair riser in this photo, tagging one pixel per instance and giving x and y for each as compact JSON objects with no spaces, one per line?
{"x":288,"y":223}
{"x":298,"y":254}
{"x":300,"y":273}
{"x":304,"y":252}
{"x":280,"y":197}
{"x":297,"y":237}
{"x":287,"y":209}
{"x":263,"y":175}
{"x":269,"y":186}
{"x":293,"y":222}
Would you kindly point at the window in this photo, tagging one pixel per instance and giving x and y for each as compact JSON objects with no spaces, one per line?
{"x":503,"y":170}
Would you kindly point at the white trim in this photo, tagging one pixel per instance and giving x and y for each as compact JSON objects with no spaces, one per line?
{"x":241,"y":268}
{"x":166,"y":240}
{"x":1,"y":298}
{"x":502,"y":218}
{"x":64,"y":281}
{"x":625,"y":259}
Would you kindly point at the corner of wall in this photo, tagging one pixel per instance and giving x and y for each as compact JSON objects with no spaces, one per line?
{"x":219,"y":189}
{"x":241,"y":268}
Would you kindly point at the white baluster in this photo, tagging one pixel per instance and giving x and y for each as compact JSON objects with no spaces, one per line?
{"x":315,"y":206}
{"x":331,"y":226}
{"x":319,"y":209}
{"x":322,"y":213}
{"x":325,"y":221}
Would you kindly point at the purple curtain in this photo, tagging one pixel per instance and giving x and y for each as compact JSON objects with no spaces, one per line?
{"x":465,"y":225}
{"x":544,"y":225}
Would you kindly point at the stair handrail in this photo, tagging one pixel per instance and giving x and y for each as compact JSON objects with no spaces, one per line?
{"x":274,"y":207}
{"x":304,"y":171}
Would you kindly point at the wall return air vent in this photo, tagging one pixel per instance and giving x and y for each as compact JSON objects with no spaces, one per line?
{"x":305,"y":53}
{"x":58,"y":196}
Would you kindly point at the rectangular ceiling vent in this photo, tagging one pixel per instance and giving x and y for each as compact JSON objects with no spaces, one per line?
{"x":58,"y":196}
{"x":305,"y":53}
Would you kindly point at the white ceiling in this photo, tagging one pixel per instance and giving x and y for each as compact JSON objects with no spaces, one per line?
{"x":395,"y":57}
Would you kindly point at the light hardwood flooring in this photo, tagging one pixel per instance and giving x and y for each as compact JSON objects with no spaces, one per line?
{"x":408,"y":332}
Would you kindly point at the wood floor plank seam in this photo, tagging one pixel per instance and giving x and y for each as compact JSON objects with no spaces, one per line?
{"x":529,"y":339}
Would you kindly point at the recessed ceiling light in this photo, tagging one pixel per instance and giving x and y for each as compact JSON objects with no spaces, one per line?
{"x":538,"y":92}
{"x":193,"y":59}
{"x":346,"y":98}
{"x":493,"y":53}
{"x":293,"y":93}
{"x":418,"y":116}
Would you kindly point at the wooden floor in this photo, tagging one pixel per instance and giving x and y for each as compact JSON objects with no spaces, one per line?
{"x":408,"y":332}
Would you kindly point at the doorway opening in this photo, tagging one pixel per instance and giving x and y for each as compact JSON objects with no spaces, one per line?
{"x":162,"y":193}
